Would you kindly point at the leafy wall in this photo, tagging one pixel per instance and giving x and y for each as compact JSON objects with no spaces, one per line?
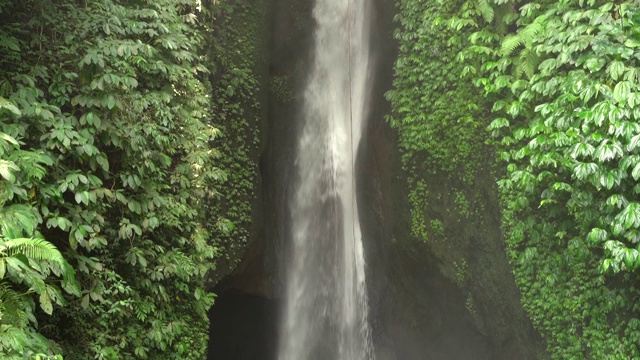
{"x":237,"y":53}
{"x":126,"y":131}
{"x":557,"y":84}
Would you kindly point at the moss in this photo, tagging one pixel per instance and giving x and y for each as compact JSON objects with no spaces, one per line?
{"x":461,"y":271}
{"x":238,"y":48}
{"x":441,"y":120}
{"x":437,"y":227}
{"x":281,"y":89}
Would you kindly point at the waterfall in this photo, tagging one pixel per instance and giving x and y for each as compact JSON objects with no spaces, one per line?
{"x":325,"y":306}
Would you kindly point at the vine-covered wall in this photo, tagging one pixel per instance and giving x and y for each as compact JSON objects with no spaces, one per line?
{"x":440,"y":118}
{"x":551,"y":87}
{"x":236,"y":47}
{"x":129,"y":140}
{"x":112,"y":97}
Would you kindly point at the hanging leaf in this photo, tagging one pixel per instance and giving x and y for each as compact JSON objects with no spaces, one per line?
{"x":622,"y":91}
{"x":616,"y":69}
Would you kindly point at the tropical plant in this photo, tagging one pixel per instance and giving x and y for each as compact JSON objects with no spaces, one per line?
{"x":561,"y":79}
{"x":565,"y":86}
{"x":111,"y":98}
{"x":26,"y":263}
{"x":25,"y":266}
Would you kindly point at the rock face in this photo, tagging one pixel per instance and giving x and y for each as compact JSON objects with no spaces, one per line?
{"x":242,"y":327}
{"x":420,"y":306}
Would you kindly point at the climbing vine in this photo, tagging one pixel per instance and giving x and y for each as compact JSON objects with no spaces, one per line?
{"x":110,"y":98}
{"x":569,"y":133}
{"x":433,"y":109}
{"x":437,"y":114}
{"x":236,"y":53}
{"x":561,"y":82}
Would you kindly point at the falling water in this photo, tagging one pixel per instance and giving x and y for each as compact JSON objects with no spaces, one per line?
{"x":325,"y":314}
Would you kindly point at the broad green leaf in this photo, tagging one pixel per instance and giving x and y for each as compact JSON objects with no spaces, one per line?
{"x":6,"y":170}
{"x":630,"y":216}
{"x":607,"y":180}
{"x":634,"y":143}
{"x":6,"y":104}
{"x":630,"y":257}
{"x":9,"y":139}
{"x":62,"y":223}
{"x":583,"y":170}
{"x":632,"y":43}
{"x":45,"y":303}
{"x":616,"y":69}
{"x":622,"y":91}
{"x":85,"y":302}
{"x":597,"y":236}
{"x":635,"y":173}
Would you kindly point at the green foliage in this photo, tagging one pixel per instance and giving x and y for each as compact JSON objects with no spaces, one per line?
{"x":417,"y":195}
{"x":435,"y":111}
{"x":567,"y":133}
{"x":437,"y":227}
{"x":461,"y":271}
{"x":280,"y":88}
{"x":561,"y":80}
{"x":111,"y":98}
{"x":236,"y":48}
{"x":462,"y":204}
{"x":437,"y":114}
{"x":26,"y":263}
{"x":469,"y":305}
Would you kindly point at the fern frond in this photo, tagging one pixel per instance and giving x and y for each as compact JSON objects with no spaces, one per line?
{"x":526,"y":64}
{"x":485,"y":9}
{"x":510,"y":43}
{"x":525,"y":37}
{"x":529,"y":62}
{"x":36,"y":249}
{"x":11,"y":307}
{"x":22,"y":252}
{"x":529,"y":33}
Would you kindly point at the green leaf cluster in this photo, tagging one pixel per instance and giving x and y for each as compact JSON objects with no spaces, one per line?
{"x":109,"y":144}
{"x":570,"y":145}
{"x":558,"y":82}
{"x":237,"y":57}
{"x":28,"y":263}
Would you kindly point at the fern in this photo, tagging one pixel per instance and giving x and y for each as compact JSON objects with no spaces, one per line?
{"x":524,"y":37}
{"x":532,"y":30}
{"x":510,"y":43}
{"x":22,"y":256}
{"x":485,"y":9}
{"x":35,"y":249}
{"x":527,"y":63}
{"x":11,"y":305}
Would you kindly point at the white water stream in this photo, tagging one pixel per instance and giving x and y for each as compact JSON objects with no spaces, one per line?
{"x":325,"y":312}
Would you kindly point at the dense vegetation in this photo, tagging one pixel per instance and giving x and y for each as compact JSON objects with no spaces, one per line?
{"x":110,"y":133}
{"x":555,"y":83}
{"x":128,"y":129}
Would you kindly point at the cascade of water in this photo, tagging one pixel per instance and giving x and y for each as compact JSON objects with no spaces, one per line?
{"x":325,"y":311}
